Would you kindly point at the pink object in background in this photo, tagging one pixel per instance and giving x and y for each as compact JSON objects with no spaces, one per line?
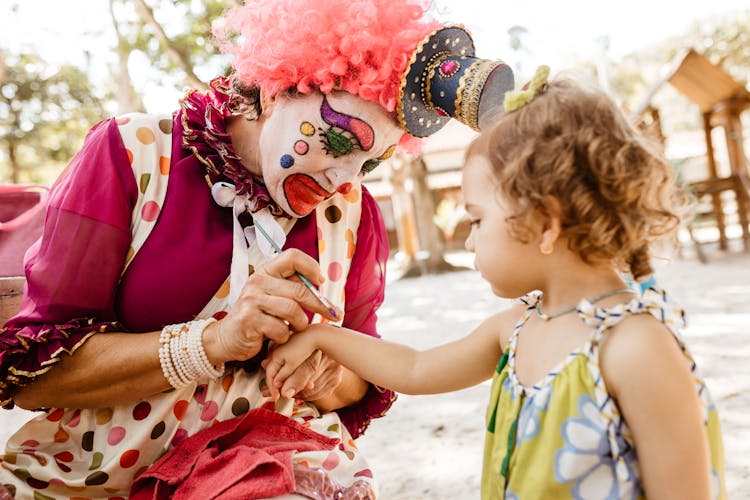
{"x":21,"y":221}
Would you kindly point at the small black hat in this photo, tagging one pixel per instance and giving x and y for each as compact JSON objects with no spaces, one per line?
{"x":445,"y":80}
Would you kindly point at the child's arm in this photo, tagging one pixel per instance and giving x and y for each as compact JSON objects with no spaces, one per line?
{"x":649,"y":378}
{"x":449,"y":367}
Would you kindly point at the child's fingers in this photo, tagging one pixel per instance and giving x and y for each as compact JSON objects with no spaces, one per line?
{"x":288,"y":390}
{"x":273,"y":380}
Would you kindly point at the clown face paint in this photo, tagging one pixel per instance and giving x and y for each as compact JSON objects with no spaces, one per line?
{"x":314,"y":145}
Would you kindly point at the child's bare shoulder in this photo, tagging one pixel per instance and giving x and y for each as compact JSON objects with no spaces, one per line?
{"x":504,"y":322}
{"x":639,"y":344}
{"x":636,"y":333}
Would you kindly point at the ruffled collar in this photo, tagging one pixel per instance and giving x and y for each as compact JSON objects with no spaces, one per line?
{"x":204,"y":119}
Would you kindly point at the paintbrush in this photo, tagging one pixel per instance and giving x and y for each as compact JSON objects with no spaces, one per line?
{"x":305,"y":281}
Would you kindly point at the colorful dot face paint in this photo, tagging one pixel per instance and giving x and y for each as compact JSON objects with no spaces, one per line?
{"x":286,"y":161}
{"x":312,"y":146}
{"x":307,"y":129}
{"x":301,"y":147}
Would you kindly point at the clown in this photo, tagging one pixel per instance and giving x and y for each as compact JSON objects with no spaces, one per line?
{"x":154,"y":294}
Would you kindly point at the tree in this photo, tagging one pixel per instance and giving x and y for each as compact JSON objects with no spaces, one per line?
{"x":45,"y":110}
{"x":174,"y":36}
{"x":128,"y":99}
{"x":44,"y":113}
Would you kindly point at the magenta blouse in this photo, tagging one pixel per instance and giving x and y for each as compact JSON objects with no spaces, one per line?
{"x":75,"y":285}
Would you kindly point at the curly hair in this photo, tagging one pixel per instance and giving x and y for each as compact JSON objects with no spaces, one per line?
{"x":617,"y":193}
{"x":360,"y":46}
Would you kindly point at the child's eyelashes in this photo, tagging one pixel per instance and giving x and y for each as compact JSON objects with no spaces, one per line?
{"x":475,"y":222}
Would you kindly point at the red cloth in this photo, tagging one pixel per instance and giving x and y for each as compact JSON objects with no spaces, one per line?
{"x":245,"y":457}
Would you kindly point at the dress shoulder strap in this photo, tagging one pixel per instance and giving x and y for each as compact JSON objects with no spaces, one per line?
{"x":652,"y":301}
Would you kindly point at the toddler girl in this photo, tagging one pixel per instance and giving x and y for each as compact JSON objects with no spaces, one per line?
{"x":594,"y":393}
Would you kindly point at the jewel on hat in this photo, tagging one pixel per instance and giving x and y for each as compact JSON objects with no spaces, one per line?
{"x":445,"y":80}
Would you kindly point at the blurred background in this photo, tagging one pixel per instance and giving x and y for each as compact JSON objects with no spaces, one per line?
{"x":679,"y":72}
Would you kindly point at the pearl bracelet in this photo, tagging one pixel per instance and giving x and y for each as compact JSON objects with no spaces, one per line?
{"x":197,"y":351}
{"x":165,"y":356}
{"x":182,"y":356}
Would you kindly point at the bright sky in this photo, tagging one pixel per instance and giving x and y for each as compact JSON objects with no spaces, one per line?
{"x":557,"y":31}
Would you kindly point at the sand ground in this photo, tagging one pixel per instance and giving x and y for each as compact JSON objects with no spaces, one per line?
{"x":430,"y":447}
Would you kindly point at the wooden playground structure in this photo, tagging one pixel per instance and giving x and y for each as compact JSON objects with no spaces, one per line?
{"x":723,"y":191}
{"x":410,"y":192}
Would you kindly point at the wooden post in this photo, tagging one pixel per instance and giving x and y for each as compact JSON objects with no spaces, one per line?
{"x":430,"y":241}
{"x":713,"y":174}
{"x":398,"y":175}
{"x":730,"y":121}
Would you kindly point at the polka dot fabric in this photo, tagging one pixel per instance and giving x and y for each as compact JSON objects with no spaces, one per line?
{"x":338,"y":222}
{"x":96,"y":453}
{"x":148,"y":141}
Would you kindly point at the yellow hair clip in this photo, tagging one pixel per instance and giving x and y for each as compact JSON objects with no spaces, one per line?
{"x":516,"y":99}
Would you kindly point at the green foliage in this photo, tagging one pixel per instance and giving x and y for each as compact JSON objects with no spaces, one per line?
{"x":727,"y":43}
{"x":44,"y":113}
{"x":174,"y":36}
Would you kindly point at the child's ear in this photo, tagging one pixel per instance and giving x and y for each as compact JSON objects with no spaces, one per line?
{"x":551,"y":225}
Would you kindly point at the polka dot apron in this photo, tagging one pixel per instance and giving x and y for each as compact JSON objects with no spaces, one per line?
{"x":96,"y":453}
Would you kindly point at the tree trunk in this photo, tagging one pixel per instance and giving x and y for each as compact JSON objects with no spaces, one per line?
{"x":403,"y":210}
{"x":15,"y":168}
{"x":128,"y":100}
{"x":420,"y":248}
{"x":147,"y":15}
{"x":430,"y":241}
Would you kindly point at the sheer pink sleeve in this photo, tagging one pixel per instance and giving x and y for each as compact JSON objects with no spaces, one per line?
{"x":365,"y":291}
{"x":73,"y":270}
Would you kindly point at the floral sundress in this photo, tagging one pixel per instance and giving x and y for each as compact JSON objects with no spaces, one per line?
{"x":564,"y":437}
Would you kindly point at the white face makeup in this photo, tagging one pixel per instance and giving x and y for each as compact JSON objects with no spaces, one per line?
{"x":315,"y":145}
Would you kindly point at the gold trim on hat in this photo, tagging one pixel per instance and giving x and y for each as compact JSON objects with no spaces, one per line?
{"x":417,"y":53}
{"x":469,"y":91}
{"x":405,"y":75}
{"x":426,"y":85}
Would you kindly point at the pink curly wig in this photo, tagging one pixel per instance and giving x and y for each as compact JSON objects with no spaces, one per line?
{"x":360,"y":46}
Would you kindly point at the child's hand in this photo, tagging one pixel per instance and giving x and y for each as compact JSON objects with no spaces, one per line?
{"x":283,"y":360}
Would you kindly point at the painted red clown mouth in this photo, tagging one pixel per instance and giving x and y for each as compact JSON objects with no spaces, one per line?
{"x":303,"y":193}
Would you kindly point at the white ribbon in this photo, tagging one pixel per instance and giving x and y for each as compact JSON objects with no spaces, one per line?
{"x":225,"y":195}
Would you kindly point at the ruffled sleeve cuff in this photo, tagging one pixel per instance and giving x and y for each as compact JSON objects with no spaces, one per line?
{"x":358,"y":416}
{"x":31,"y":350}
